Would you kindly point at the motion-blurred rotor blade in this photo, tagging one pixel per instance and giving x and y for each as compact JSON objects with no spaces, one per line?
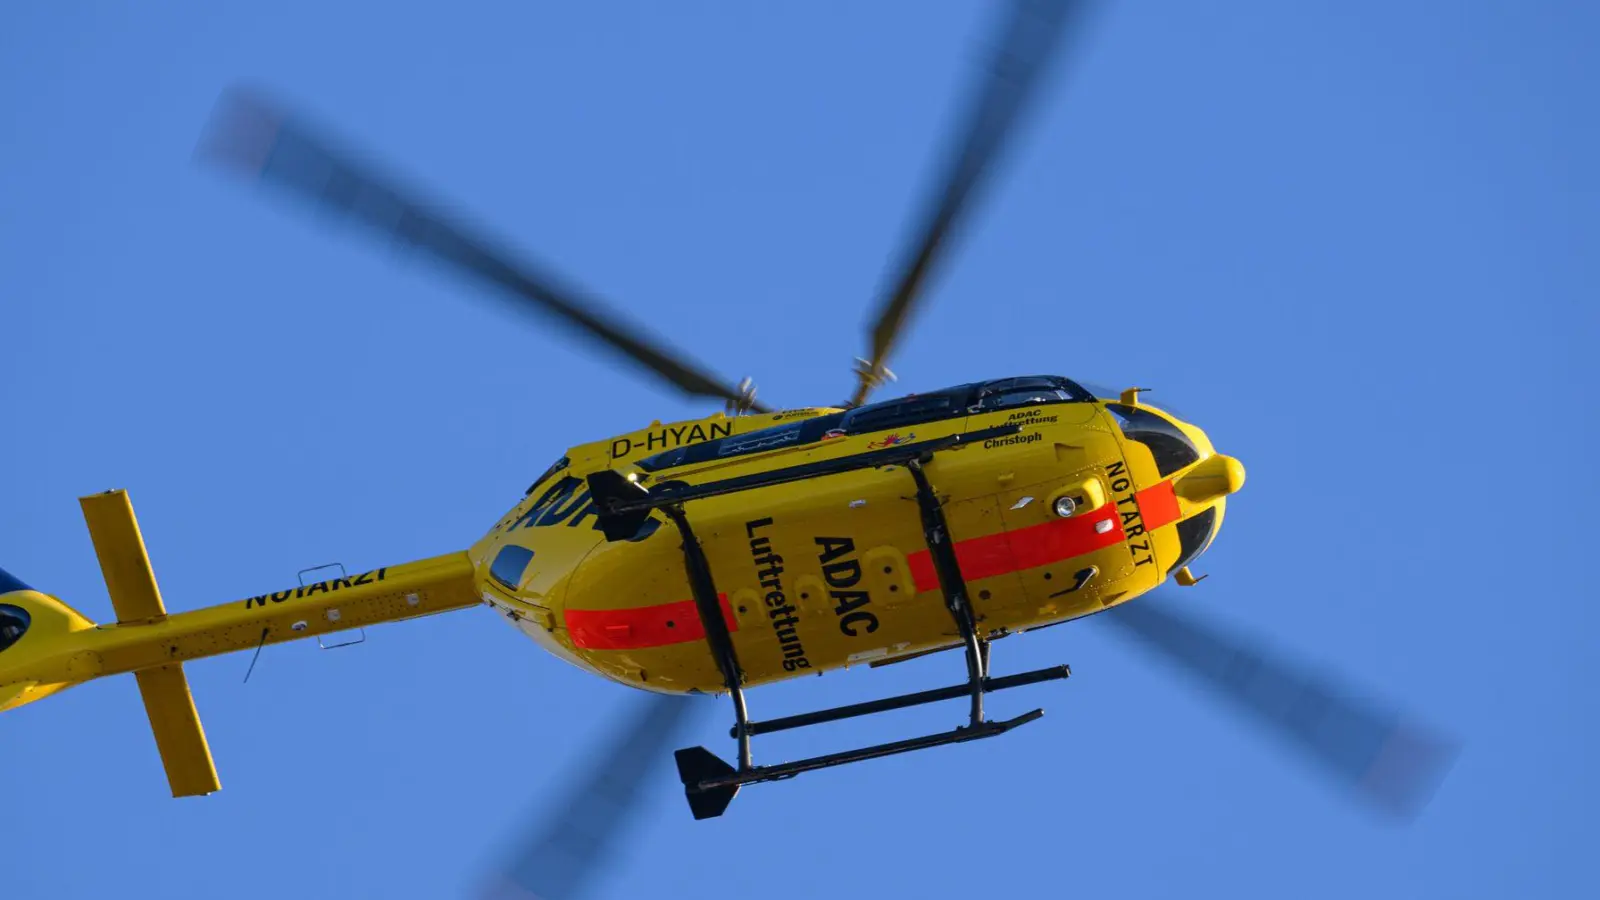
{"x":1027,"y":45}
{"x":1385,"y":759}
{"x":574,"y":837}
{"x":251,"y":136}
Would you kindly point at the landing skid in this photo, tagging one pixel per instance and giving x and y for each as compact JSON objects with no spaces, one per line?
{"x":711,"y":783}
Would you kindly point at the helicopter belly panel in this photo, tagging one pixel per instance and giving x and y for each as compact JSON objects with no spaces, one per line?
{"x":879,"y":587}
{"x":828,"y":572}
{"x":811,"y":577}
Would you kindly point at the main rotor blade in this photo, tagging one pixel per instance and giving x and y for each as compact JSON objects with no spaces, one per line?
{"x":573,"y":838}
{"x":1027,"y":46}
{"x":1382,"y":757}
{"x":254,"y":138}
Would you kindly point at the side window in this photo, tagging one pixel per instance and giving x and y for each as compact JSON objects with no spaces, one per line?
{"x":510,"y":564}
{"x":1171,"y":448}
{"x":913,"y":410}
{"x":1011,"y":393}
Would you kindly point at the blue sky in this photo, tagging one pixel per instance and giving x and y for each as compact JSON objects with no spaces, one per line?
{"x":1355,"y":242}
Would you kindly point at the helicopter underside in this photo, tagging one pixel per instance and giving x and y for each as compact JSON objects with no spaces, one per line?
{"x":710,"y":784}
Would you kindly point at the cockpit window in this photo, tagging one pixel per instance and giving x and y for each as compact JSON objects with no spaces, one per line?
{"x":905,"y":411}
{"x":510,"y":564}
{"x":1022,"y":397}
{"x":13,"y":624}
{"x":1010,"y":393}
{"x":1194,"y":536}
{"x":1171,"y":448}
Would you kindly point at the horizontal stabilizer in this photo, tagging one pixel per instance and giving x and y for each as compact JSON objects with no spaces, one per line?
{"x":176,"y":725}
{"x":136,"y":598}
{"x":129,"y":578}
{"x":46,"y":646}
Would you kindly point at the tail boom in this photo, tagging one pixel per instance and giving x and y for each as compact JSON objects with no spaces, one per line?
{"x":422,"y":588}
{"x":64,"y":648}
{"x":53,"y":647}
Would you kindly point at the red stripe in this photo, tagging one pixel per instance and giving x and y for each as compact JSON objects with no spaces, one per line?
{"x":640,"y":627}
{"x":1025,"y":548}
{"x":1049,"y":542}
{"x":1158,"y":505}
{"x":1046,"y":543}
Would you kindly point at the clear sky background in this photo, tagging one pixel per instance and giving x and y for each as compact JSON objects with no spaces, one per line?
{"x":1356,"y":242}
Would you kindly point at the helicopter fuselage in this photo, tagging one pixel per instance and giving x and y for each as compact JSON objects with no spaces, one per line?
{"x":1085,"y":504}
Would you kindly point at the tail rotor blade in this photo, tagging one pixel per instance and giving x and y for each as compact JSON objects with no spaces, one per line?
{"x":1382,"y":757}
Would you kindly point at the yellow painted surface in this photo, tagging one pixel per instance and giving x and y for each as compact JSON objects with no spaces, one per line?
{"x":176,"y":725}
{"x":816,"y":575}
{"x":868,"y":519}
{"x":62,"y":648}
{"x":120,"y":548}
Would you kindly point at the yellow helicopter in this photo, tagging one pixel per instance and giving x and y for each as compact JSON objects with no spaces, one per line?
{"x":754,"y":545}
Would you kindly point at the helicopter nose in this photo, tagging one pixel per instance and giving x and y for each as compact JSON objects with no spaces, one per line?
{"x":1213,"y":479}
